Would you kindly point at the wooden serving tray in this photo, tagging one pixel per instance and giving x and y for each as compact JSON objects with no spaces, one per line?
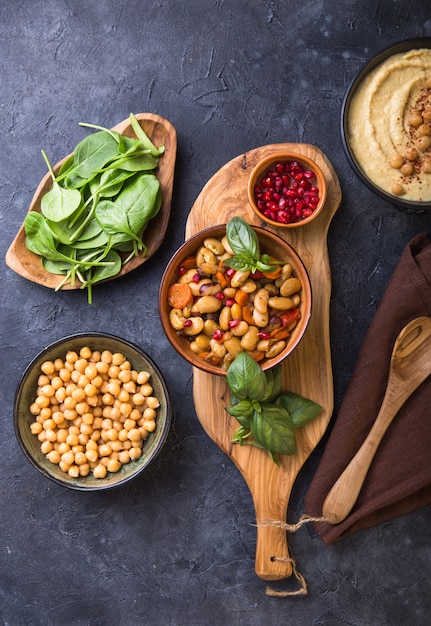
{"x":307,"y":371}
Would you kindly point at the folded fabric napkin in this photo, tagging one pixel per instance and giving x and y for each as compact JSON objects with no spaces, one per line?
{"x":399,"y":479}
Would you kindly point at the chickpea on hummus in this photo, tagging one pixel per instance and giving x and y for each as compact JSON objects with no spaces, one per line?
{"x":389,"y":125}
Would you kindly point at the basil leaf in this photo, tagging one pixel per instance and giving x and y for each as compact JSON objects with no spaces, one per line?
{"x":265,"y":267}
{"x":246,"y":378}
{"x":301,"y":410}
{"x":273,"y":430}
{"x":240,"y":263}
{"x":242,"y":238}
{"x":242,"y":412}
{"x":273,"y":384}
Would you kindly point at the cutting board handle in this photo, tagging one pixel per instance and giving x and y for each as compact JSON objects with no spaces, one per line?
{"x":273,"y":561}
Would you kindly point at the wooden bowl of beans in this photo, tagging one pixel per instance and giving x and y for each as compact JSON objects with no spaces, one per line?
{"x":91,"y":411}
{"x":210,"y":313}
{"x":287,"y":190}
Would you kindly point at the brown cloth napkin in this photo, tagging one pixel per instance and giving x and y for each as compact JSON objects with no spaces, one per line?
{"x":399,"y":479}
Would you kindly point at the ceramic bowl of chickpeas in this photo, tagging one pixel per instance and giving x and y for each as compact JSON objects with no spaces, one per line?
{"x":211,"y":312}
{"x":92,"y":411}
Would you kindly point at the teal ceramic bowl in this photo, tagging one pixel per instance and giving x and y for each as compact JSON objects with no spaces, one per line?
{"x":26,"y":393}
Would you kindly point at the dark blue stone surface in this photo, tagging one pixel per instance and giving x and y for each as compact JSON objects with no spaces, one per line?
{"x":176,"y":547}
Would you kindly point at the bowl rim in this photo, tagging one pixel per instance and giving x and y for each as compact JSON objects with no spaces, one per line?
{"x":287,"y":155}
{"x":144,"y":462}
{"x":178,"y":254}
{"x":374,"y":61}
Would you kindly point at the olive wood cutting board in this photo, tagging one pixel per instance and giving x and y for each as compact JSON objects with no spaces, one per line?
{"x":307,"y":371}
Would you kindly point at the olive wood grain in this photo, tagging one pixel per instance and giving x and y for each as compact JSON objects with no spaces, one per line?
{"x":161,"y":132}
{"x":410,"y":365}
{"x":306,"y":371}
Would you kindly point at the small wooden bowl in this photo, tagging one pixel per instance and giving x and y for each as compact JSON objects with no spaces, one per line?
{"x":26,"y":393}
{"x":271,"y":244}
{"x":161,"y":132}
{"x":267,"y":164}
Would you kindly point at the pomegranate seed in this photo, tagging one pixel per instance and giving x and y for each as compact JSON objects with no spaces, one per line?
{"x":220,"y":295}
{"x":230,"y":272}
{"x":230,"y":301}
{"x":264,"y":335}
{"x":187,"y":323}
{"x":182,"y":270}
{"x":196,"y":277}
{"x":286,"y":193}
{"x":218,"y":334}
{"x":233,"y":323}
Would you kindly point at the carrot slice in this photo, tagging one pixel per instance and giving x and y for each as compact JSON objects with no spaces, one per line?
{"x":257,"y":355}
{"x":247,"y":315}
{"x":222,"y":279}
{"x":275,"y":274}
{"x":241,"y":297}
{"x":189,"y":263}
{"x":179,"y":295}
{"x":280,"y":333}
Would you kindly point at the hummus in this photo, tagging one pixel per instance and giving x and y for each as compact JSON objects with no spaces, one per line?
{"x":389,"y":125}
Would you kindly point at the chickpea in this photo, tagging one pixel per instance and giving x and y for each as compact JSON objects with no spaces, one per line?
{"x":423,"y":143}
{"x":153,"y":402}
{"x":424,"y":130}
{"x":149,"y":414}
{"x":79,"y":424}
{"x":411,"y":154}
{"x":407,"y":169}
{"x":100,"y":471}
{"x":397,"y":189}
{"x":415,"y":120}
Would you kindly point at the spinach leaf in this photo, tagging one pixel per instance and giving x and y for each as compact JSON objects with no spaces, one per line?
{"x":99,"y":205}
{"x":143,"y":138}
{"x":91,"y":154}
{"x":58,"y":203}
{"x":301,"y":410}
{"x":56,"y":267}
{"x":39,"y":237}
{"x":97,"y":241}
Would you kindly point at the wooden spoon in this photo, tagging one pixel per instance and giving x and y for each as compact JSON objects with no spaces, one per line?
{"x":410,"y":365}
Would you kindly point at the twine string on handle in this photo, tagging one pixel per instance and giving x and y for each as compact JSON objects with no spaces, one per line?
{"x":292,"y":528}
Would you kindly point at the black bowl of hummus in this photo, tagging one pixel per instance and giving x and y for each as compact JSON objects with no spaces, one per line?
{"x":386,"y":124}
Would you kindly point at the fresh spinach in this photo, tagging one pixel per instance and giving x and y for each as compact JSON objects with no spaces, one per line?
{"x":59,"y":203}
{"x":93,"y":218}
{"x":245,"y":246}
{"x":268,"y":416}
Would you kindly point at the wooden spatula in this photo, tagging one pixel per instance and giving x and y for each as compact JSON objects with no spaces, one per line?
{"x":410,"y":366}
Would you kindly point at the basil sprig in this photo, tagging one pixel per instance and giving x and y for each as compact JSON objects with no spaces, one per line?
{"x":245,"y":246}
{"x":268,"y":416}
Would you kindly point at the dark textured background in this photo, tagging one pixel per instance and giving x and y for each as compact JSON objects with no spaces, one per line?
{"x":176,"y":547}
